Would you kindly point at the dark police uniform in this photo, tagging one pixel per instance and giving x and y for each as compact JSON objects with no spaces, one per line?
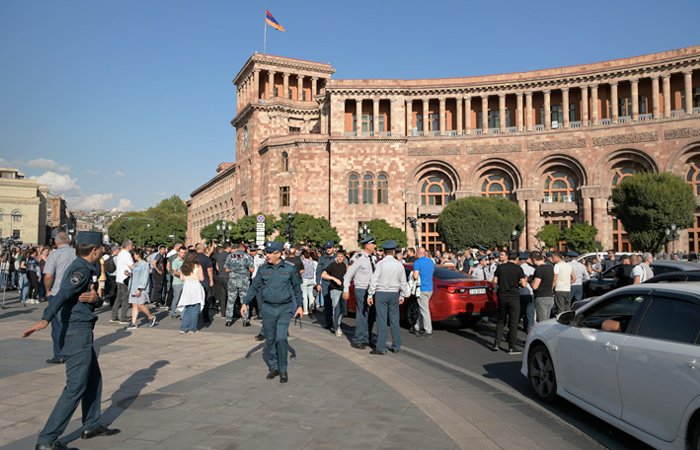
{"x":279,"y":286}
{"x":323,"y":262}
{"x":83,"y":376}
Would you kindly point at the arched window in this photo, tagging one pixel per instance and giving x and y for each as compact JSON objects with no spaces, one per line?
{"x":367,"y":189}
{"x":496,"y":183}
{"x":559,"y":186}
{"x":693,"y":176}
{"x":354,"y":189}
{"x":16,"y":215}
{"x":382,"y":189}
{"x":245,"y":137}
{"x":285,"y":162}
{"x":619,"y":173}
{"x":435,"y":189}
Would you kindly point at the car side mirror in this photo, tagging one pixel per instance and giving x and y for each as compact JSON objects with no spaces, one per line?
{"x":566,"y":317}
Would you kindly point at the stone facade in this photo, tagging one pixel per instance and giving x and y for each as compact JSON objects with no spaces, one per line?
{"x":22,"y":207}
{"x":555,"y":141}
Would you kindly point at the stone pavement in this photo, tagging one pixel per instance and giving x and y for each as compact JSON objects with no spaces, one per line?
{"x":208,"y":391}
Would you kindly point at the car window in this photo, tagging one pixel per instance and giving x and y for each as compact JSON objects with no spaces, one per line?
{"x":658,"y":270}
{"x":610,"y":273}
{"x":671,"y":319}
{"x":447,"y":274}
{"x":621,"y":309}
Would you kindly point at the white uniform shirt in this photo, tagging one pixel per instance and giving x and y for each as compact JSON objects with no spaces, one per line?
{"x":124,"y":264}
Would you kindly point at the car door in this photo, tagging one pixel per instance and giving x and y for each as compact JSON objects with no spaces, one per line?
{"x":659,"y":365}
{"x":601,"y":284}
{"x":588,"y":356}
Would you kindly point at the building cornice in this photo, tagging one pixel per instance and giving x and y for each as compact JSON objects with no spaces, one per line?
{"x":215,"y":179}
{"x":294,"y":65}
{"x":277,"y":104}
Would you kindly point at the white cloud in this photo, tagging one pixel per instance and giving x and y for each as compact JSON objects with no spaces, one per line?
{"x":119,"y":173}
{"x":57,"y":183}
{"x":125,"y":204}
{"x":94,"y":201}
{"x":48,"y":164}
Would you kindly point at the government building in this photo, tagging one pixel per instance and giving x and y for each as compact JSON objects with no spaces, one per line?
{"x":556,"y":141}
{"x":23,"y":207}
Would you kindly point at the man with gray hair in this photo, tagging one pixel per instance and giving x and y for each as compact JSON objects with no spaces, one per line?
{"x":124,"y":265}
{"x":643,"y":271}
{"x":56,"y":264}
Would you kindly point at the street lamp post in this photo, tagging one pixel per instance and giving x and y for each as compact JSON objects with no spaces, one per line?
{"x":414,"y":225}
{"x":290,"y":228}
{"x":364,"y":231}
{"x":224,"y":229}
{"x":672,"y":234}
{"x":514,"y":235}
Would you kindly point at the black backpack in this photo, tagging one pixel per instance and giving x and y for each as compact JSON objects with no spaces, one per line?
{"x":110,"y":265}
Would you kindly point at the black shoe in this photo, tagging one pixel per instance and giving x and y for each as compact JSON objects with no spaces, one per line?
{"x":259,"y":338}
{"x":394,"y":349}
{"x":55,"y":446}
{"x":228,"y":323}
{"x":99,"y":431}
{"x":55,"y":361}
{"x":377,"y":352}
{"x":414,"y":332}
{"x":272,"y":374}
{"x":246,"y":323}
{"x":283,"y":377}
{"x":359,"y":346}
{"x":424,"y":334}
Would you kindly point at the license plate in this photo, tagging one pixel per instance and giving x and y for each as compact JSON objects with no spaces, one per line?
{"x":477,"y":291}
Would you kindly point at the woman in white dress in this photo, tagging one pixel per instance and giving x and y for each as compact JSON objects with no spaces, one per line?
{"x":192,"y":298}
{"x":138,"y":290}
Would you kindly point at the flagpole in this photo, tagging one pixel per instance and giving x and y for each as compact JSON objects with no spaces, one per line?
{"x":265,"y":33}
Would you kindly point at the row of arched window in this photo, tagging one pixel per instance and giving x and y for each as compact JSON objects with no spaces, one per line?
{"x":369,"y":194}
{"x":16,"y":215}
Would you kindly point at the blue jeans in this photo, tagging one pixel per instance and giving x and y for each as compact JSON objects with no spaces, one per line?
{"x":527,"y":311}
{"x":23,"y":286}
{"x":387,"y":305}
{"x":177,"y":292}
{"x":338,"y":307}
{"x":576,"y":292}
{"x":190,"y":318}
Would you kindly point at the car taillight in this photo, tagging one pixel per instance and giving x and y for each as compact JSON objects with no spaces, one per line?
{"x":452,"y":289}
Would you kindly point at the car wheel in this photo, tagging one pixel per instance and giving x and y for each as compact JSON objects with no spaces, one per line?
{"x":411,"y":312}
{"x":695,"y":437}
{"x":540,"y":370}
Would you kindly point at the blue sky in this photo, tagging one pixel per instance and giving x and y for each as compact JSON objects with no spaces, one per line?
{"x":124,"y":102}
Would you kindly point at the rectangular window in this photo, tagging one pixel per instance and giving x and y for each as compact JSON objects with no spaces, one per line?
{"x":572,"y":112}
{"x":289,"y":93}
{"x":381,"y":123}
{"x":16,"y":234}
{"x":478,"y":119}
{"x":625,"y":106}
{"x":696,"y":97}
{"x":354,"y":122}
{"x":494,"y":119}
{"x":367,"y":123}
{"x":419,"y":122}
{"x":284,"y":196}
{"x":642,"y":104}
{"x":433,"y":122}
{"x":276,"y":91}
{"x":557,"y":116}
{"x":303,"y":95}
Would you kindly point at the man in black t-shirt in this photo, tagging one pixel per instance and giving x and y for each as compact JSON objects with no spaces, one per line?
{"x":542,"y":286}
{"x":623,"y":272}
{"x":334,"y":274}
{"x":221,"y":280}
{"x":509,"y":278}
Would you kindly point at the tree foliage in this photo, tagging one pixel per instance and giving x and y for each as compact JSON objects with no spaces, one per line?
{"x":244,"y":230}
{"x":382,"y":232}
{"x":308,"y":230}
{"x":580,"y":237}
{"x":165,"y":223}
{"x":649,"y":203}
{"x":474,"y":221}
{"x":549,"y":235}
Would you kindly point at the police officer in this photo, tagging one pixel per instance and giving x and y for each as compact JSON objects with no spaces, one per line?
{"x":479,"y":270}
{"x":388,"y":288}
{"x":360,"y":273}
{"x":322,"y":285}
{"x":239,"y":266}
{"x":77,"y":301}
{"x":279,"y":284}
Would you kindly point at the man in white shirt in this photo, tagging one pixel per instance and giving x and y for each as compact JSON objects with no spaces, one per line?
{"x":527,"y":299}
{"x":581,"y":275}
{"x":124,"y":265}
{"x":563,"y":277}
{"x":642,"y":271}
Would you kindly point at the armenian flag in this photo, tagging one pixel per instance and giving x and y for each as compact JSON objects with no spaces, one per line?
{"x":272,"y":22}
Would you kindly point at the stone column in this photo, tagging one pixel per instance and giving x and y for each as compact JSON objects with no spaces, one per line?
{"x":594,"y":104}
{"x":358,"y":116}
{"x":314,"y":87}
{"x":409,"y":117}
{"x":688,"y":84}
{"x":256,"y":85}
{"x":426,"y":104}
{"x":601,"y":221}
{"x":270,"y":84}
{"x":300,"y":88}
{"x":587,"y":210}
{"x":584,"y":106}
{"x":485,"y":113}
{"x":547,"y":110}
{"x":285,"y":85}
{"x":336,"y":115}
{"x":460,"y":119}
{"x":519,"y":112}
{"x":667,"y":94}
{"x":655,"y":96}
{"x":528,"y":112}
{"x":467,"y":114}
{"x":614,"y":103}
{"x":634,"y":89}
{"x":502,"y":112}
{"x":565,"y":105}
{"x":393,"y":123}
{"x":441,"y":117}
{"x":532,"y":217}
{"x":375,"y":116}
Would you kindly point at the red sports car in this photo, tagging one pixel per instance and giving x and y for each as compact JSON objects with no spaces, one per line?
{"x":457,"y":298}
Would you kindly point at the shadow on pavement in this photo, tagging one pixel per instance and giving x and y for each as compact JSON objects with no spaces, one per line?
{"x":18,"y":312}
{"x":119,"y":333}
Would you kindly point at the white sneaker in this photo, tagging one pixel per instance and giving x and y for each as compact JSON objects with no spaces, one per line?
{"x":153,"y":321}
{"x":183,"y":332}
{"x":338,"y":333}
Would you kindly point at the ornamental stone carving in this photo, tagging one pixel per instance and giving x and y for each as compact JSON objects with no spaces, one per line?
{"x":424,"y":151}
{"x":679,"y":133}
{"x":556,"y":145}
{"x":496,"y":148}
{"x":621,"y":139}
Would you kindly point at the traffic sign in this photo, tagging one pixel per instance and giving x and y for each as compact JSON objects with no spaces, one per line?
{"x":260,"y":226}
{"x":261,"y":218}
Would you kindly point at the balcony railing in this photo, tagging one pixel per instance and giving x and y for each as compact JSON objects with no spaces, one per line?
{"x":624,"y":119}
{"x":696,"y":110}
{"x":566,"y":204}
{"x":677,"y":113}
{"x":417,"y":132}
{"x":512,"y":130}
{"x":350,"y":133}
{"x":434,"y":133}
{"x":478,"y":131}
{"x":494,"y":131}
{"x":644,"y":117}
{"x":606,"y":121}
{"x":539,"y":127}
{"x":451,"y":133}
{"x":575,"y":124}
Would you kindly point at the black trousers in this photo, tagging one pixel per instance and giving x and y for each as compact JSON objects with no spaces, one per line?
{"x":508,"y":309}
{"x":221,"y":293}
{"x":206,"y":318}
{"x":158,"y":280}
{"x":327,"y":309}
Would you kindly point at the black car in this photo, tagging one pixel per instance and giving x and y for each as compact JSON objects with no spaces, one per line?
{"x":672,"y":277}
{"x":606,"y":281}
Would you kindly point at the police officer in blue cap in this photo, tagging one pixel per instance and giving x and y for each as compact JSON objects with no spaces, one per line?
{"x":279,"y":286}
{"x":76,"y":303}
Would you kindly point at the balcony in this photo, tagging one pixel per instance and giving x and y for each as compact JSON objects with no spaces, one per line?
{"x":566,"y":205}
{"x":350,"y":134}
{"x":417,"y":132}
{"x":539,"y":127}
{"x":624,"y":119}
{"x":575,"y":124}
{"x":696,"y":110}
{"x":645,"y":117}
{"x":678,"y":113}
{"x":607,"y":121}
{"x":385,"y":134}
{"x":512,"y":130}
{"x":430,"y":210}
{"x":478,"y":131}
{"x":451,"y":133}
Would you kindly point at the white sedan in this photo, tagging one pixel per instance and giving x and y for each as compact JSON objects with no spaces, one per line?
{"x":630,"y":357}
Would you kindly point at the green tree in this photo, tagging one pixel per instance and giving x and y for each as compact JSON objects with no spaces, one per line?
{"x":649,"y":203}
{"x":549,"y":235}
{"x":164,"y":223}
{"x":581,"y":238}
{"x":473,"y":221}
{"x":245,"y":229}
{"x":382,"y":232}
{"x":314,"y":231}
